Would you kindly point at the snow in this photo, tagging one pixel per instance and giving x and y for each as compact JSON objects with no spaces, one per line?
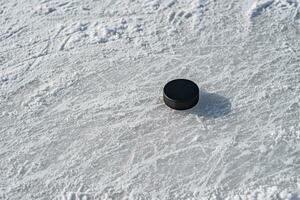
{"x":81,"y":109}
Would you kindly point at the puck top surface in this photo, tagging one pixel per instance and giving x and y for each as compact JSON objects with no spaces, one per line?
{"x":181,"y":94}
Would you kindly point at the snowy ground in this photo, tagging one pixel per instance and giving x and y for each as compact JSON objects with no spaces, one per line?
{"x":81,"y":110}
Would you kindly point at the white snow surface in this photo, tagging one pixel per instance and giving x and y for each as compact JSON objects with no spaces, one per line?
{"x":81,"y":109}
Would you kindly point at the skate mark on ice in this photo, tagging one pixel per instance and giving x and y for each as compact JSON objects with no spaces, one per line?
{"x":258,"y":8}
{"x":63,"y":45}
{"x":169,"y":4}
{"x":212,"y":105}
{"x":297,"y":16}
{"x":171,"y":16}
{"x":50,"y":10}
{"x":179,"y":17}
{"x":19,"y":30}
{"x":63,"y":4}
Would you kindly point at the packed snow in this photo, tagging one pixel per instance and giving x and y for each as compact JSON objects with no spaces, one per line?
{"x":81,"y":109}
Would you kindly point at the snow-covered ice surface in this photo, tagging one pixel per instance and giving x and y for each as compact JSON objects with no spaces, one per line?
{"x":81,"y":110}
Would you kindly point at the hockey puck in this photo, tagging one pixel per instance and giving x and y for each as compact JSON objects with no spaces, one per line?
{"x":181,"y":94}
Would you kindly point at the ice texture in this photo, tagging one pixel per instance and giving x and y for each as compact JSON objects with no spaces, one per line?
{"x":81,"y":109}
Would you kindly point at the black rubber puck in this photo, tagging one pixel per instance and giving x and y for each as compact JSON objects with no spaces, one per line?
{"x":181,"y":94}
